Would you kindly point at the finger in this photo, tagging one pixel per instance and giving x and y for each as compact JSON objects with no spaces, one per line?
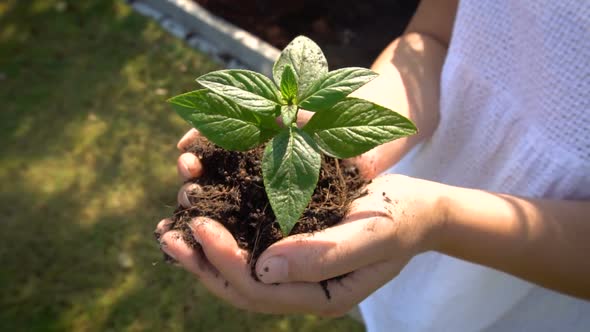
{"x":366,"y":164}
{"x":187,"y":192}
{"x":222,"y":251}
{"x":363,"y":238}
{"x":220,"y":246}
{"x":339,"y":295}
{"x":303,"y":117}
{"x":195,"y":262}
{"x":189,"y":166}
{"x":162,"y":227}
{"x":188,"y":139}
{"x":350,"y":290}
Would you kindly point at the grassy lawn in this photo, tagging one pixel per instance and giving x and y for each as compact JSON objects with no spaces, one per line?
{"x":87,"y":168}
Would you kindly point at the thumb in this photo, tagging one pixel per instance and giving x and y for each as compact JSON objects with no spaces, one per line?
{"x":360,"y":240}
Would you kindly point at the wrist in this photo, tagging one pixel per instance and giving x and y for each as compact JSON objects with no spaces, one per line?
{"x":460,"y":210}
{"x":418,"y":207}
{"x":417,"y":210}
{"x":436,"y":236}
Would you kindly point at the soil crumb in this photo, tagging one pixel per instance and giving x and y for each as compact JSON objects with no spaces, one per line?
{"x":233,"y":194}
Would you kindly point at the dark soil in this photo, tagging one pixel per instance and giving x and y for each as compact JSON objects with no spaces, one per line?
{"x":350,"y":32}
{"x":232,"y":193}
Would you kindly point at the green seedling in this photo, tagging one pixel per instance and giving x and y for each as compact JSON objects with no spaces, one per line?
{"x":238,"y":110}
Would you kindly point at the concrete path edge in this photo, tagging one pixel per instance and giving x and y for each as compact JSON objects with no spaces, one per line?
{"x":214,"y":36}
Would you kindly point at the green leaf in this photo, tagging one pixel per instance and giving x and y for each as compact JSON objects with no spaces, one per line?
{"x":334,"y":87}
{"x":306,"y":59}
{"x":289,"y":114}
{"x":222,"y":121}
{"x":246,"y":88}
{"x":354,"y":126}
{"x":290,"y":168}
{"x":289,"y":85}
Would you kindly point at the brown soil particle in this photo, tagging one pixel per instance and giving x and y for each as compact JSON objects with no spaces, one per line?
{"x":233,"y":194}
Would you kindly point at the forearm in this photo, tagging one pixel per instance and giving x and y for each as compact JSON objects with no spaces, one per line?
{"x":543,"y":241}
{"x":408,"y":83}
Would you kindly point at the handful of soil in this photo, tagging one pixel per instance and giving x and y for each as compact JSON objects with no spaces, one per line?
{"x":232,"y":192}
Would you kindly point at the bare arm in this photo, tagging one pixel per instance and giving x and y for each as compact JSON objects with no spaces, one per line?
{"x":542,"y":241}
{"x":546,"y":242}
{"x":409,"y":80}
{"x":408,"y":83}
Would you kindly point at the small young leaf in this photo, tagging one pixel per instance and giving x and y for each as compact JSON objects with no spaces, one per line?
{"x":354,"y":126}
{"x":246,"y":88}
{"x":222,"y":121}
{"x":290,"y":168}
{"x":288,"y":114}
{"x":307,"y":60}
{"x":289,"y":85}
{"x":334,"y":86}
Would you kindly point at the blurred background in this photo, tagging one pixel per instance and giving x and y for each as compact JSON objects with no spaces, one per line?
{"x":87,"y":168}
{"x":350,"y":32}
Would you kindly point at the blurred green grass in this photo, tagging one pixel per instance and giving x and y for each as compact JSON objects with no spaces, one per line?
{"x":87,"y":168}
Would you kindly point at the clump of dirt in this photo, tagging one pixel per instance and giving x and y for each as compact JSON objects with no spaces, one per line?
{"x":232,"y":192}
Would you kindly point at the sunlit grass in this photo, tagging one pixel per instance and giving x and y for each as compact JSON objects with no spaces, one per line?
{"x":87,"y":168}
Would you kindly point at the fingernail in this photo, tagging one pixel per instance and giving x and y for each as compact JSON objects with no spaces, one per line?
{"x":170,"y":260}
{"x":184,"y":170}
{"x":162,"y":227}
{"x":196,"y":223}
{"x":183,"y":200}
{"x":274,"y":269}
{"x":157,"y":235}
{"x":164,"y":248}
{"x":187,"y":188}
{"x":196,"y":238}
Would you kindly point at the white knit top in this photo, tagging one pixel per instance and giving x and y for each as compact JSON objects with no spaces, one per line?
{"x":515,"y":118}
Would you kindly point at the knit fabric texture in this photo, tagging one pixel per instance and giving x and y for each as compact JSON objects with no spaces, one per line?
{"x":515,"y":118}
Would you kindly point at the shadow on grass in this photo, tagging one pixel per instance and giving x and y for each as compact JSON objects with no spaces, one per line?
{"x":88,"y":168}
